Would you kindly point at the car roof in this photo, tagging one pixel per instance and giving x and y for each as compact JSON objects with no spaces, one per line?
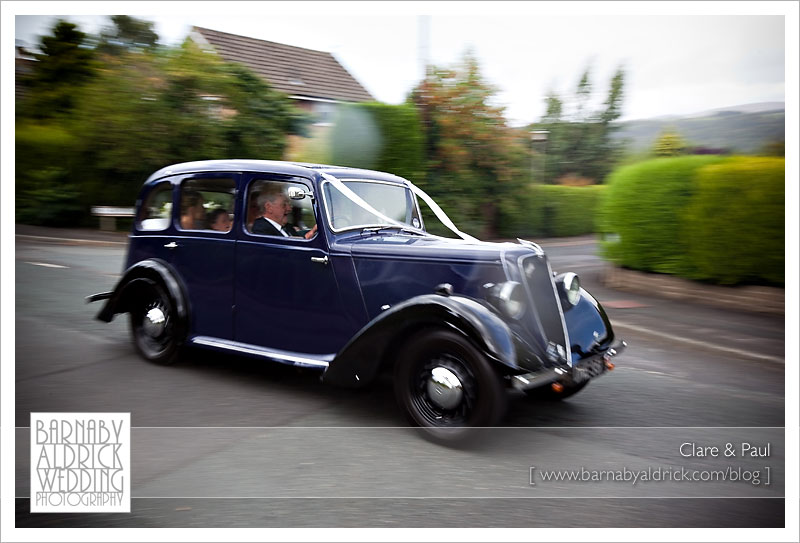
{"x":274,"y":166}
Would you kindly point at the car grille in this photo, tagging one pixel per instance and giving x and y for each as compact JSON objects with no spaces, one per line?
{"x":548,"y":318}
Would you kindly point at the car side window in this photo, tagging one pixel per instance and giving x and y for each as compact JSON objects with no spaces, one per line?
{"x":207,"y":203}
{"x":271,"y":212}
{"x":155,"y":212}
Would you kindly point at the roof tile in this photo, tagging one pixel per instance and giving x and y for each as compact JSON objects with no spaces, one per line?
{"x":289,"y":69}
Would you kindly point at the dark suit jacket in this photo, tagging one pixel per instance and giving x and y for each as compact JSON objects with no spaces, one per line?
{"x":264,"y":227}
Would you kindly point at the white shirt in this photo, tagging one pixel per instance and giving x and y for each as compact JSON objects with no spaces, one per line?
{"x":278,"y":226}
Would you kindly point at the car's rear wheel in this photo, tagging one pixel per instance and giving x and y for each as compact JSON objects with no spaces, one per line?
{"x":447,"y":387}
{"x":153,"y":324}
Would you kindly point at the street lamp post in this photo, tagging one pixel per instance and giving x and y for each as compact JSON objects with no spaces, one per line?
{"x":539,"y":136}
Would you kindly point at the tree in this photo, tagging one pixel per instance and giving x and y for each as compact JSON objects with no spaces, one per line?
{"x":473,"y":158}
{"x":63,"y":66}
{"x":127,"y":35}
{"x":669,"y":143}
{"x":147,"y":110}
{"x":580,"y":142}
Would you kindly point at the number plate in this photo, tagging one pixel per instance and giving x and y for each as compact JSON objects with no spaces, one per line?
{"x":589,"y":369}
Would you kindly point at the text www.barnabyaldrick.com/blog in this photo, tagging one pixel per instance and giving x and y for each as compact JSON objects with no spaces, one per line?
{"x":751,"y":475}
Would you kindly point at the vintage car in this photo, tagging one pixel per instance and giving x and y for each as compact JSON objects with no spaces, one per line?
{"x":345,"y":278}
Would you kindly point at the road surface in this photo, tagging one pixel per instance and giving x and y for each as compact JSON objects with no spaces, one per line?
{"x":220,"y":441}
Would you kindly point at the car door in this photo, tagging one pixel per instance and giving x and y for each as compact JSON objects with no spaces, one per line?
{"x":287,"y":296}
{"x":202,"y":256}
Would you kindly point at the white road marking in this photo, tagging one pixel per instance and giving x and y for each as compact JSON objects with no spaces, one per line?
{"x":703,"y":344}
{"x":46,"y":265}
{"x":71,"y":240}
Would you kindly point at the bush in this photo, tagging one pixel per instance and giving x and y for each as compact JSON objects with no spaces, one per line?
{"x":643,"y":213}
{"x":45,"y":194}
{"x":736,"y":220}
{"x":715,"y":219}
{"x":553,"y":211}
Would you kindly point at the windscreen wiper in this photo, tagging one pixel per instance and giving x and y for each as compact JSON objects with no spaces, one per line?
{"x":379,"y":229}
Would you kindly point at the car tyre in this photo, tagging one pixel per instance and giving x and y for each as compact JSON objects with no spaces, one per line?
{"x":153,"y":325}
{"x":447,"y":387}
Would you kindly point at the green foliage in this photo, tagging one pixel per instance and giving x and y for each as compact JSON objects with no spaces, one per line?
{"x":669,"y":143}
{"x":143,"y":110}
{"x":64,"y":64}
{"x":644,"y":207}
{"x":44,"y":194}
{"x":474,"y":162}
{"x":580,"y":142}
{"x":381,"y":137}
{"x":262,"y":117}
{"x":553,"y":211}
{"x":736,"y":220}
{"x":710,"y":218}
{"x":48,"y":200}
{"x":127,"y":35}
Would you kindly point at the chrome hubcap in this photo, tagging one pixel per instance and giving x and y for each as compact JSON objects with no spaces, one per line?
{"x":444,"y":388}
{"x":154,"y":322}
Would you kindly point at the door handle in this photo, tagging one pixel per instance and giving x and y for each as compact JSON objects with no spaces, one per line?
{"x":171,"y":245}
{"x":320,"y":260}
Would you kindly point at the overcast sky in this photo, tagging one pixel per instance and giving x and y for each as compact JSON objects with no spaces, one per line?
{"x":675,"y":63}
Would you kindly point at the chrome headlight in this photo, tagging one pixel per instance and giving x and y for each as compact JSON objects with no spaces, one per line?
{"x":508,"y":298}
{"x":572,"y":288}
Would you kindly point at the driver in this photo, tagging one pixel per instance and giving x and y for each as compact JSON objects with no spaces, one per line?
{"x":276,"y":209}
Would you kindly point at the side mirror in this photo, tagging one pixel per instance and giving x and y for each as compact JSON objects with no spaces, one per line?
{"x":296,"y":193}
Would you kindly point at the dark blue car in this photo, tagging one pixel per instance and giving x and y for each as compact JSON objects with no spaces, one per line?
{"x":333,"y":269}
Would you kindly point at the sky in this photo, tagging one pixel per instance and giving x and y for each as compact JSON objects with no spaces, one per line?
{"x":675,"y":63}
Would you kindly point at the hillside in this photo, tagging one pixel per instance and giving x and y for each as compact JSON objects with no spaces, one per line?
{"x":743,"y":129}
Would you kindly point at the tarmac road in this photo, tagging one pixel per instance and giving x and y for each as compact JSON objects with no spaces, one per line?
{"x":220,"y":441}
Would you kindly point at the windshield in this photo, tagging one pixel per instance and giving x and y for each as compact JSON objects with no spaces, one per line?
{"x":393,"y":201}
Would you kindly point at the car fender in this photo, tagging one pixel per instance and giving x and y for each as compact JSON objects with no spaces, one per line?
{"x":380,"y":341}
{"x":588,"y":326}
{"x":144,"y":272}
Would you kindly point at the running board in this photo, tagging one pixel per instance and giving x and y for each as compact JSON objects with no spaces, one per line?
{"x":284,"y":357}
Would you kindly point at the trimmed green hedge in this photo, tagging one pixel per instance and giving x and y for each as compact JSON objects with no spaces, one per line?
{"x":711,"y":218}
{"x":644,"y":208}
{"x":736,"y":218}
{"x":553,"y":211}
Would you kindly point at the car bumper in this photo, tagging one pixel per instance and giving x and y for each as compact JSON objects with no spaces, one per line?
{"x":584,"y":370}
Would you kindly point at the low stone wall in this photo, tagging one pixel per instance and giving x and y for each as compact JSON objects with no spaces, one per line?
{"x":749,"y":298}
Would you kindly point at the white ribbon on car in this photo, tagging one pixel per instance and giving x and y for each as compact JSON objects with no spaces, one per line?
{"x":440,"y":214}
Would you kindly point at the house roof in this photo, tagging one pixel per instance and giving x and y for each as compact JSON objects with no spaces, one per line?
{"x":293,"y":70}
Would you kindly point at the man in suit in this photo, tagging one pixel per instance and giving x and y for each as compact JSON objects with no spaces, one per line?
{"x":277,"y":208}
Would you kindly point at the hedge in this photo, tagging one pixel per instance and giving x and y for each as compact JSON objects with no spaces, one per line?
{"x":45,"y":194}
{"x":643,"y":211}
{"x":381,"y":137}
{"x":736,"y":220}
{"x":553,"y":211}
{"x":710,"y":218}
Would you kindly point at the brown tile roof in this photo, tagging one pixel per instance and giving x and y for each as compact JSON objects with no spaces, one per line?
{"x":289,"y":69}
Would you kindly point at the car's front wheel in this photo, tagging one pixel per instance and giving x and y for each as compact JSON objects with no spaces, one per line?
{"x":153,"y":324}
{"x":447,"y":387}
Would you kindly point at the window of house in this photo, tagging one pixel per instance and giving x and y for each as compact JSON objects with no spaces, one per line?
{"x":324,"y":113}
